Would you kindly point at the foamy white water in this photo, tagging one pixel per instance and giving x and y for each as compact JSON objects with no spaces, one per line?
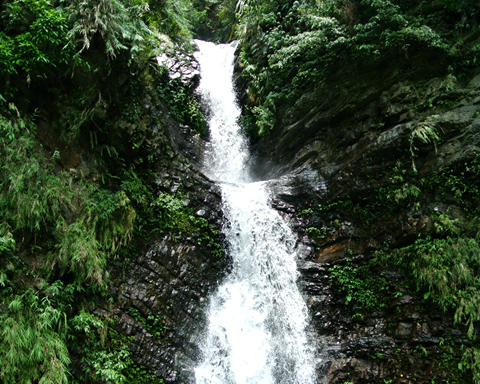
{"x":257,"y":318}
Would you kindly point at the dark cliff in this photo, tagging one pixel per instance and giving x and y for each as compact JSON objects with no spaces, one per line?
{"x":364,"y":195}
{"x":374,"y":203}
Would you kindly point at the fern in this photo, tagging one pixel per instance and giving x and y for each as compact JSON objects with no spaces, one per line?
{"x":450,"y":269}
{"x":79,"y":252}
{"x":120,"y":27}
{"x":87,"y":223}
{"x":426,"y":133}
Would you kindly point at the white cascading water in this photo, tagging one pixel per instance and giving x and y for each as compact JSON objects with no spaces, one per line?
{"x":257,"y":318}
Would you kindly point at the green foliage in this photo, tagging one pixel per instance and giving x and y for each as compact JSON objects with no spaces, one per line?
{"x":360,"y":286}
{"x":35,"y":197}
{"x":34,"y":348}
{"x":106,"y":356}
{"x":449,"y":269}
{"x":471,"y":362}
{"x":174,"y":214}
{"x":444,"y":224}
{"x":34,"y":38}
{"x":443,"y":267}
{"x":303,"y":43}
{"x":112,"y":217}
{"x":213,"y":20}
{"x":120,"y":25}
{"x":153,"y":324}
{"x":317,"y":234}
{"x":7,"y":242}
{"x":79,"y":252}
{"x":164,"y":212}
{"x":172,"y":18}
{"x":446,"y":270}
{"x":72,"y":227}
{"x":465,"y":11}
{"x":74,"y":75}
{"x":183,"y":104}
{"x":396,"y":188}
{"x":459,"y":185}
{"x":424,"y":132}
{"x":29,"y":192}
{"x":403,"y":186}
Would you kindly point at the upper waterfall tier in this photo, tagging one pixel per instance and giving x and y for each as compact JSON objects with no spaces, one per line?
{"x":228,"y":153}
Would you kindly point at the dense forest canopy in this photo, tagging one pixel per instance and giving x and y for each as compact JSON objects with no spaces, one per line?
{"x":77,"y":156}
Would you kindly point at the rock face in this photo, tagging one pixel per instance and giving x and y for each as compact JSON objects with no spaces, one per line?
{"x":331,"y":158}
{"x":171,"y":280}
{"x":403,"y":343}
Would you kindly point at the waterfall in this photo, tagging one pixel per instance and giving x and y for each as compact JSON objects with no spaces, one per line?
{"x":257,"y":318}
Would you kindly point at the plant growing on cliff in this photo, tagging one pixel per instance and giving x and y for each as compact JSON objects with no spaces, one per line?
{"x":34,"y":346}
{"x":471,"y":362}
{"x":120,"y":26}
{"x":298,"y":44}
{"x":426,"y":133}
{"x":53,"y":225}
{"x":71,"y":197}
{"x":359,"y":286}
{"x":447,"y":270}
{"x":106,"y":354}
{"x":301,"y":43}
{"x":33,"y":39}
{"x":37,"y":198}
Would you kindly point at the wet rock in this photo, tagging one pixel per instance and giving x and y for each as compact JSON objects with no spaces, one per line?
{"x":171,"y":277}
{"x":326,"y":150}
{"x":172,"y":280}
{"x":333,"y":252}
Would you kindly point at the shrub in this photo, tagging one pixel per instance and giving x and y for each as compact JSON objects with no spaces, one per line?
{"x":34,"y":340}
{"x":303,"y":42}
{"x":360,"y":286}
{"x":34,"y":38}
